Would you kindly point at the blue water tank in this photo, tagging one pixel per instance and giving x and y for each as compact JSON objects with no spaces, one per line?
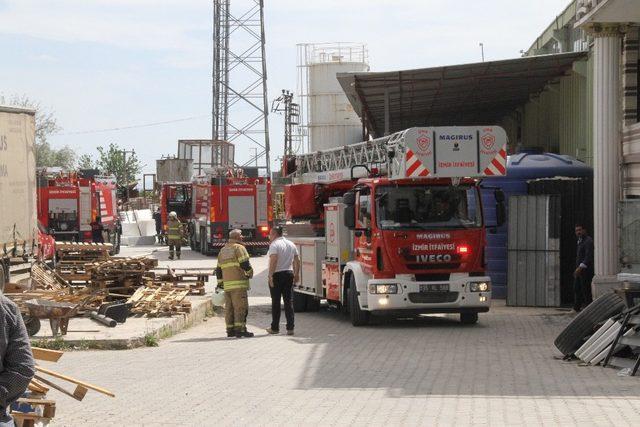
{"x":521,"y":167}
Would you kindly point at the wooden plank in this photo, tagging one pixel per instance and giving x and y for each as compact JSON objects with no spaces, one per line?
{"x":75,"y":381}
{"x":57,"y":387}
{"x":46,"y":354}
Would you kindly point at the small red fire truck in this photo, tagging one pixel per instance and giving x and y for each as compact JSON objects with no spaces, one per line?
{"x":69,"y":202}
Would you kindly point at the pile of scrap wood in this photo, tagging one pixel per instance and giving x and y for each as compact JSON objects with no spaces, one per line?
{"x":164,"y":300}
{"x":120,"y":272}
{"x":73,"y":259}
{"x":184,"y":278}
{"x":36,"y":408}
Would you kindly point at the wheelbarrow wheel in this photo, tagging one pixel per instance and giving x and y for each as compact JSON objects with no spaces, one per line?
{"x":32,"y":324}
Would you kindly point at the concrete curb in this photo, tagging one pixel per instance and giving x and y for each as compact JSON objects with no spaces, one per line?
{"x":200,"y":309}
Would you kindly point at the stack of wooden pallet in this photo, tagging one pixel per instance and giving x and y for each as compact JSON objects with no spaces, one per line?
{"x":73,"y":259}
{"x":36,"y":408}
{"x":164,"y":300}
{"x":185,"y":278}
{"x":120,"y":272}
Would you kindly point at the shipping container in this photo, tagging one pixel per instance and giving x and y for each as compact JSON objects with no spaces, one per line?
{"x":18,"y":223}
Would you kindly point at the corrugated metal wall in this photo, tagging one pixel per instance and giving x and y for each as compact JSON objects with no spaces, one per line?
{"x":560,"y":118}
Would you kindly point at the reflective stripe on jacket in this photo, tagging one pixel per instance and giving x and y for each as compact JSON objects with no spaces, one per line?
{"x":174,"y":229}
{"x":234,"y":269}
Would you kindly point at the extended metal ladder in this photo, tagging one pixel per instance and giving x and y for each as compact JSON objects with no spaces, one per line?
{"x":628,"y":335}
{"x":370,"y":153}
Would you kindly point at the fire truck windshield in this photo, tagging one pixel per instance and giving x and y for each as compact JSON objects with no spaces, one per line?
{"x":427,"y":207}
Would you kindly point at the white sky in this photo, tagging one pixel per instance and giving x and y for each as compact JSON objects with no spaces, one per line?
{"x":113,"y":63}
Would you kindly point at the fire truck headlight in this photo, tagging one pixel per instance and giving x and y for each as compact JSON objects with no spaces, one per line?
{"x":479,"y":286}
{"x":383,"y":289}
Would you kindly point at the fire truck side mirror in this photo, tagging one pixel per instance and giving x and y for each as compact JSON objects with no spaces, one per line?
{"x":349,"y":199}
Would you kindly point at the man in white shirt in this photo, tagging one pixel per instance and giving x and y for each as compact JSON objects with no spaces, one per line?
{"x":284,"y":271}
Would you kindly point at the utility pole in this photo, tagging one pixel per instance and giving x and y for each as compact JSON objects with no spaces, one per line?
{"x":126,"y":172}
{"x":240,"y":105}
{"x":284,"y":104}
{"x":482,"y":50}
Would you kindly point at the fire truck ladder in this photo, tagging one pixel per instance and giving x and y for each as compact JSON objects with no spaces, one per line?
{"x":374,"y":153}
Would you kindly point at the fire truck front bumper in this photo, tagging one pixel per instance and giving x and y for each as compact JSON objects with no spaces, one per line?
{"x":409,"y":297}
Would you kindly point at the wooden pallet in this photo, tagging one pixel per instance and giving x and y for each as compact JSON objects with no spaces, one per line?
{"x":159,"y":301}
{"x":80,"y":246}
{"x":44,"y":278}
{"x":193,"y":280}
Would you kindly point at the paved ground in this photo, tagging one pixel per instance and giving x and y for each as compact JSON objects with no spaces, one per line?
{"x":431,"y":371}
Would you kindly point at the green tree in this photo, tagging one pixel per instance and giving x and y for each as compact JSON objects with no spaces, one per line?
{"x":114,"y":161}
{"x":86,"y":161}
{"x":46,"y":125}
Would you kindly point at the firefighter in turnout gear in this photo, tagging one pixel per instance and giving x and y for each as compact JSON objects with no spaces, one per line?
{"x":233,"y":273}
{"x":174,"y":234}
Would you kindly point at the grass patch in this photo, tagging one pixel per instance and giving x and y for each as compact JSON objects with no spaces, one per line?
{"x":51,"y":344}
{"x":150,"y":340}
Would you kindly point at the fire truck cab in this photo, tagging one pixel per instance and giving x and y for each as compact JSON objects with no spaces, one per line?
{"x":405,"y":239}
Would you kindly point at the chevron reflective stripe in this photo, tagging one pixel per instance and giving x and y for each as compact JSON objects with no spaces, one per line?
{"x":498,"y":165}
{"x":414,"y":166}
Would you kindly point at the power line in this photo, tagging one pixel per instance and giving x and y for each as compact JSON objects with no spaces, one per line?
{"x":145,"y":125}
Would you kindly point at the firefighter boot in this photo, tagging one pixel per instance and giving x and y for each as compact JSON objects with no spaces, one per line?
{"x":243,"y":333}
{"x":231,"y":332}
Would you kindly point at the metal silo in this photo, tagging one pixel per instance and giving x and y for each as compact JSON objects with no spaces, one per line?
{"x":329,"y":119}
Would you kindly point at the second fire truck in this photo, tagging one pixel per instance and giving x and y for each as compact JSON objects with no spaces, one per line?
{"x":216,"y":203}
{"x":395,"y":226}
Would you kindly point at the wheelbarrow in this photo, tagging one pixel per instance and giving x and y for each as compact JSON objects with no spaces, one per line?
{"x":58,"y":313}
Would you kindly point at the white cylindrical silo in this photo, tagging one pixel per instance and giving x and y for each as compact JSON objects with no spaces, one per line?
{"x":331,"y":119}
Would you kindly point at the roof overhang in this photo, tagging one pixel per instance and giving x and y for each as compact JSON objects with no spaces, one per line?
{"x":468,"y":94}
{"x":611,"y":11}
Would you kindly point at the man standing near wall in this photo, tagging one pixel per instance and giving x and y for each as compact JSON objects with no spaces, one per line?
{"x":284,"y":271}
{"x":584,"y":269}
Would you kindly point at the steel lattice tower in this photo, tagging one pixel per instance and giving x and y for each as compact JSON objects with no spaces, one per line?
{"x":240,"y":105}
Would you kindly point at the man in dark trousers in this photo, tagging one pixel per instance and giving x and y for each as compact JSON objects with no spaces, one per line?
{"x":96,"y":230}
{"x":284,"y":271}
{"x":16,"y":360}
{"x":584,"y":269}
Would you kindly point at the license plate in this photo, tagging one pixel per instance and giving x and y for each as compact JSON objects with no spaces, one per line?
{"x":434,"y":287}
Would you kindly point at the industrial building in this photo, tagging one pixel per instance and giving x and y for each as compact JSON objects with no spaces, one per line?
{"x":573,"y":92}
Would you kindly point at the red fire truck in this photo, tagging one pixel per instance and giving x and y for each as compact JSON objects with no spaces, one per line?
{"x":401,"y":223}
{"x":69,"y":202}
{"x":227,"y":200}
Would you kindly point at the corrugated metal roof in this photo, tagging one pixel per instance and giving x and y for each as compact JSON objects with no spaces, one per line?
{"x":468,"y":94}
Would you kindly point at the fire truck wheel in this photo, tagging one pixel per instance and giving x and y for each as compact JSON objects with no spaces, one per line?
{"x":468,"y":318}
{"x":299,"y":302}
{"x":203,"y":243}
{"x":192,"y":241}
{"x":313,"y":303}
{"x":356,"y":314}
{"x":584,"y":324}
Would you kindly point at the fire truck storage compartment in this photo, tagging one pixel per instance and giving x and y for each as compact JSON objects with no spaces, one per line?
{"x":263,"y":204}
{"x":337,"y":234}
{"x":84,"y":202}
{"x":242,"y":212}
{"x":312,"y":253}
{"x":300,"y":200}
